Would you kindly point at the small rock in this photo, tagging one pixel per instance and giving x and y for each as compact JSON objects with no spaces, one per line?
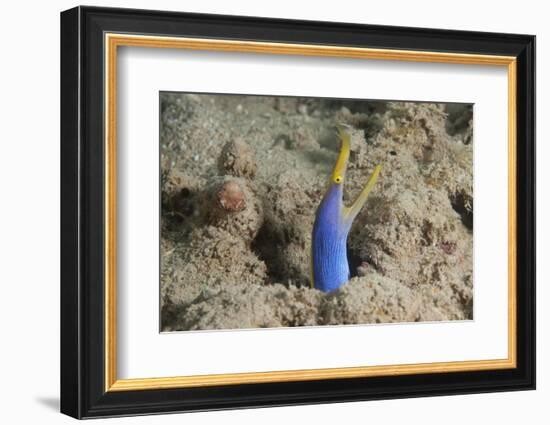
{"x":230,"y":204}
{"x":345,"y":111}
{"x":237,"y":159}
{"x":302,"y":109}
{"x":231,"y":197}
{"x":363,"y":269}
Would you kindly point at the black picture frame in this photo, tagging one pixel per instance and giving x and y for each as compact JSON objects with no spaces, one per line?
{"x":83,"y":392}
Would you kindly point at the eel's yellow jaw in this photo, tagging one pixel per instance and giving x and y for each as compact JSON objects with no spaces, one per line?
{"x":339,"y":173}
{"x":352,"y":211}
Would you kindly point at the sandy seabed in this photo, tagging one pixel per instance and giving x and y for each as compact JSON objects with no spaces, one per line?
{"x":241,"y":179}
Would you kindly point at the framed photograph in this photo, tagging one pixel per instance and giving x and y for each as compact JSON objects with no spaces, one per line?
{"x":261,"y":212}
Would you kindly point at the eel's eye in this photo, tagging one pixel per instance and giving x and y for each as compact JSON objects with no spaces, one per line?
{"x":338,"y":179}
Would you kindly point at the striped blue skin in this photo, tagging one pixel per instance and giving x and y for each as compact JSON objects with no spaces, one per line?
{"x":329,"y":238}
{"x":333,"y":220}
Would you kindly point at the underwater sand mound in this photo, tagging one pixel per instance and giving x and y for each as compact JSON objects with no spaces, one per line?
{"x":242,"y":177}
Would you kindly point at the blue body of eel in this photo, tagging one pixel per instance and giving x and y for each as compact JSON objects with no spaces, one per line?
{"x":333,"y":220}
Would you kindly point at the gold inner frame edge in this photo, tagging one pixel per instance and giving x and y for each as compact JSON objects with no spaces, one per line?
{"x":113,"y":41}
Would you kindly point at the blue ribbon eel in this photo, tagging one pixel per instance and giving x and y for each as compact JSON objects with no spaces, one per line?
{"x":333,"y":220}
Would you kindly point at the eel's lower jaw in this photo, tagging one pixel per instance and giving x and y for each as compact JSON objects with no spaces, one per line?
{"x":351,"y":212}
